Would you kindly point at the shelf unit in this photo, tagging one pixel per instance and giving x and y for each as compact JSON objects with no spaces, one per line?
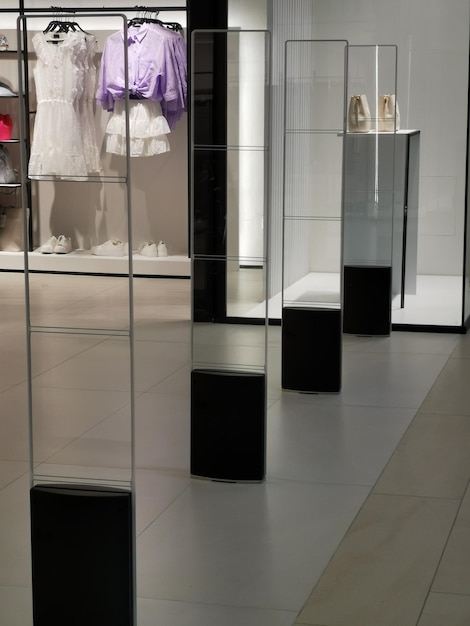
{"x":11,"y":232}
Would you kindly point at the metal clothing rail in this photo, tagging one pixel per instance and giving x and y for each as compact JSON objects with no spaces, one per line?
{"x":112,"y":9}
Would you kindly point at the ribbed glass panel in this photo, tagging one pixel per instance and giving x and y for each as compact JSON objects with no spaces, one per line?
{"x":287,"y":20}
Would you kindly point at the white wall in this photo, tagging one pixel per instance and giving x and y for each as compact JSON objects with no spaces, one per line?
{"x":247,"y":14}
{"x":432,"y":38}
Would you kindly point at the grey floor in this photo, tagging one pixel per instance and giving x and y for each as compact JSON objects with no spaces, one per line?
{"x":363,"y":519}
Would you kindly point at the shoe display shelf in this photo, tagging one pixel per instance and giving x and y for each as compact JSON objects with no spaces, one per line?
{"x":228,"y":374}
{"x":313,"y":163}
{"x":84,"y":262}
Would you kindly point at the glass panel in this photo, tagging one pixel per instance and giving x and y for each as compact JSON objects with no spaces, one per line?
{"x":369,"y":198}
{"x":80,"y":401}
{"x":313,"y":172}
{"x":230,"y":163}
{"x":369,"y":183}
{"x":80,"y":354}
{"x":90,"y":307}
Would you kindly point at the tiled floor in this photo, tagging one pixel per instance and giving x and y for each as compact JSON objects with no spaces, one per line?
{"x":363,"y":519}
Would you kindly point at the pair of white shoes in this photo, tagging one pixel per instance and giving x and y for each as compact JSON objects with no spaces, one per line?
{"x":151,"y":249}
{"x":57,"y":245}
{"x":115,"y":247}
{"x":112,"y":247}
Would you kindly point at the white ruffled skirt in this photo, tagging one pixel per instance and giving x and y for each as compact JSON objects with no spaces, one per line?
{"x":148,"y":129}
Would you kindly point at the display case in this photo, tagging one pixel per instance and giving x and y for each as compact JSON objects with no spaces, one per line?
{"x":314,"y":129}
{"x":373,"y":223}
{"x":228,"y":377}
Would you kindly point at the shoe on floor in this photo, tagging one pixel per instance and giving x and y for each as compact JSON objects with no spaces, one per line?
{"x":148,"y":248}
{"x":63,"y":245}
{"x":49,"y":246}
{"x":162,"y":249}
{"x":112,"y":247}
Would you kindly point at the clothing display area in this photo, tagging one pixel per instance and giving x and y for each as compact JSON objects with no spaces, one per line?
{"x":77,"y":109}
{"x":157,"y":87}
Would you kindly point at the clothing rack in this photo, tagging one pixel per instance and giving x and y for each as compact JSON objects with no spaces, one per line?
{"x":112,"y":9}
{"x":20,"y":9}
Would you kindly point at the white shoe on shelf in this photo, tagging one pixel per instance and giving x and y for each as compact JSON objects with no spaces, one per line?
{"x":63,"y":245}
{"x":162,"y":249}
{"x":112,"y":247}
{"x":49,"y":246}
{"x":148,"y":248}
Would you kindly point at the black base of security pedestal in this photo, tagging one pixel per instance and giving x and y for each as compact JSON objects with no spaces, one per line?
{"x":311,"y":350}
{"x":228,"y":425}
{"x":367,"y":307}
{"x":82,"y":556}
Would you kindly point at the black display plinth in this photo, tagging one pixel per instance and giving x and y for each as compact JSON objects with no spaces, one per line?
{"x":228,"y":425}
{"x":82,"y":549}
{"x":367,"y":305}
{"x":311,"y":350}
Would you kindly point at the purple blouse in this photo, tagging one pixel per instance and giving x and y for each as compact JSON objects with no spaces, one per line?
{"x":157,"y":69}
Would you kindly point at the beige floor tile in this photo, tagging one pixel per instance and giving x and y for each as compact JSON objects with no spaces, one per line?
{"x":443,"y":609}
{"x":451,"y":392}
{"x":11,"y":470}
{"x":16,"y":606}
{"x":405,"y":342}
{"x":463,"y":518}
{"x":382,"y":570}
{"x":431,"y":459}
{"x":463,"y":347}
{"x":453,"y":574}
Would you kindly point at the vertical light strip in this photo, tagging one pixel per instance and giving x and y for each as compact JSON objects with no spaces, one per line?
{"x":376,"y":181}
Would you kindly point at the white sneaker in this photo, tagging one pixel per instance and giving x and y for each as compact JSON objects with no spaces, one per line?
{"x":148,"y":248}
{"x":112,"y":247}
{"x":162,"y":249}
{"x":49,"y":246}
{"x":63,"y":245}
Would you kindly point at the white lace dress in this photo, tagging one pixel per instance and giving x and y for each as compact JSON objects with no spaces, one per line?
{"x":57,"y":147}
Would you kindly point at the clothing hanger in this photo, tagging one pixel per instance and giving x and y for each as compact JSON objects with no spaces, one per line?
{"x":145,"y":18}
{"x":76,"y":26}
{"x":58,"y":25}
{"x":151,"y":17}
{"x":173,"y":26}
